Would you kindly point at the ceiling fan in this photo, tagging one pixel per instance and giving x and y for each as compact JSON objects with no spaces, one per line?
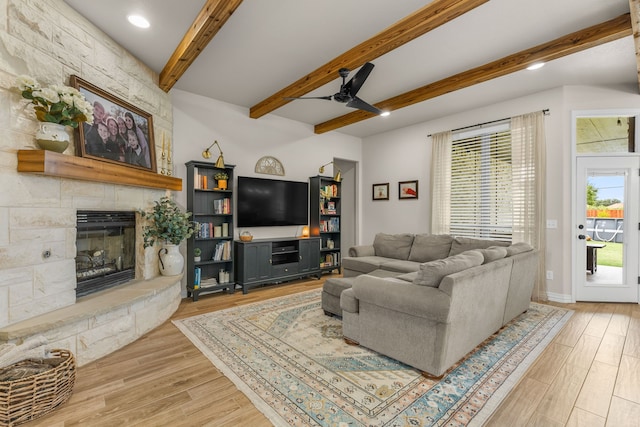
{"x":348,"y":90}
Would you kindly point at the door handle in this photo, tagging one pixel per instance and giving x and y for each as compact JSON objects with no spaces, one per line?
{"x":581,"y":236}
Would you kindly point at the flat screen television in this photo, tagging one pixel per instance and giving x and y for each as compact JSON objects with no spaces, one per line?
{"x":271,"y":202}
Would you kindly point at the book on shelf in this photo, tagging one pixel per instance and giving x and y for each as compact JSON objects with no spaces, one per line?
{"x":330,"y":260}
{"x":206,"y":230}
{"x":196,"y":278}
{"x":328,"y":191}
{"x":209,"y":283}
{"x":200,"y":182}
{"x":330,"y":225}
{"x":331,"y":208}
{"x":222,"y":251}
{"x":222,"y":206}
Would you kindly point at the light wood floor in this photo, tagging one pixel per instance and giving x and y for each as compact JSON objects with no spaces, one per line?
{"x":588,"y":376}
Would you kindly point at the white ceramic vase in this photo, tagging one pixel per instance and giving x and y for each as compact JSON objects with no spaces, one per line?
{"x":171,"y":260}
{"x":53,"y":137}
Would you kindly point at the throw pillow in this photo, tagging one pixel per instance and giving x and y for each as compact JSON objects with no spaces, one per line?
{"x":429,"y":247}
{"x":395,"y":246}
{"x":462,"y":244}
{"x":518,"y":248}
{"x":493,"y":253}
{"x":431,"y":273}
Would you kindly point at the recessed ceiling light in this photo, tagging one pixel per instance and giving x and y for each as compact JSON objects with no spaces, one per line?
{"x":535,"y":66}
{"x":138,"y":21}
{"x":385,"y":114}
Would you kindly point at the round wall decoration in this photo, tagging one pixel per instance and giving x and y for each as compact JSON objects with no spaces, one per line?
{"x":270,"y":166}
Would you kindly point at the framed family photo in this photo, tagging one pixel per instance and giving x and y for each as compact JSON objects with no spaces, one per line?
{"x":408,"y":190}
{"x":381,"y":191}
{"x":120,"y":133}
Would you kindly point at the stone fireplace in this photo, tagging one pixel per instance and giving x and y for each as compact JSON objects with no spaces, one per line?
{"x":105,"y":250}
{"x":54,"y":244}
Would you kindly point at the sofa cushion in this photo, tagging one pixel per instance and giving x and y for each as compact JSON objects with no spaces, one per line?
{"x":401,"y":266}
{"x":462,"y":244}
{"x":395,"y":246}
{"x":385,"y":273}
{"x":429,"y":247}
{"x":493,"y":253}
{"x":431,"y":273}
{"x":363,"y":264}
{"x":518,"y":248}
{"x":408,"y":277}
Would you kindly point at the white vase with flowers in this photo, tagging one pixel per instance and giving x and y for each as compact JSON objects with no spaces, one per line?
{"x":55,"y":107}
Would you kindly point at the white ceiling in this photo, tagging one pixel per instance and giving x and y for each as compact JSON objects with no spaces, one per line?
{"x":266,"y":45}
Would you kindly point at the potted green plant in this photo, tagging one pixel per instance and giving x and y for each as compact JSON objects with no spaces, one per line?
{"x":169,"y":225}
{"x":196,"y":254}
{"x":222,"y":178}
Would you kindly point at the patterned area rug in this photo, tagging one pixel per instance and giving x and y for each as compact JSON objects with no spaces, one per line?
{"x":292,"y":363}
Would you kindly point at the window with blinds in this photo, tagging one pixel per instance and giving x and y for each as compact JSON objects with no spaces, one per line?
{"x":481,"y":191}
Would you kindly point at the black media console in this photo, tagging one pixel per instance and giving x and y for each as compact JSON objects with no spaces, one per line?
{"x":267,"y":261}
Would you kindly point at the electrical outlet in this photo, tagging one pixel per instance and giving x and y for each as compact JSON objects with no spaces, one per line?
{"x":549,"y":275}
{"x":552,"y":223}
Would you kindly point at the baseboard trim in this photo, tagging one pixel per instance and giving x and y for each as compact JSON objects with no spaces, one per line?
{"x":560,"y":298}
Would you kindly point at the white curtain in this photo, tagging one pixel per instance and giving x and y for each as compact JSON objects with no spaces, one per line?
{"x":529,"y":172}
{"x":441,"y":182}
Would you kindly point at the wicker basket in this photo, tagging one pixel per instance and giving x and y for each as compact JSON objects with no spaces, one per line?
{"x":33,"y":396}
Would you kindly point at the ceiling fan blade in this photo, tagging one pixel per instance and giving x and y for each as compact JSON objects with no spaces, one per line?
{"x":356,"y":82}
{"x":328,"y":97}
{"x":361,"y":105}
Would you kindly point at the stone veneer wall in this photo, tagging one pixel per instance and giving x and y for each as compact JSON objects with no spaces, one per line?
{"x":49,"y":41}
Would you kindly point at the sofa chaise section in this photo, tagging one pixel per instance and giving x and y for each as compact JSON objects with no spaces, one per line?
{"x":426,"y":327}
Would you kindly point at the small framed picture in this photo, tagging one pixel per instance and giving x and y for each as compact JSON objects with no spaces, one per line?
{"x":381,"y":191}
{"x":408,"y":190}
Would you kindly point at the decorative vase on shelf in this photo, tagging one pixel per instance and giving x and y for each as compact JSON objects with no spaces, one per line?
{"x":222,"y":184}
{"x":171,"y":260}
{"x":53,"y":137}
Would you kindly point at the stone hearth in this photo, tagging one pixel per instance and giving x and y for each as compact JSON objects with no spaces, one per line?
{"x":103,"y":322}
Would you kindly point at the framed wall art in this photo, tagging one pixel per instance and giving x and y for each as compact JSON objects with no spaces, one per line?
{"x":120,"y":133}
{"x":408,"y":190}
{"x":380,"y":191}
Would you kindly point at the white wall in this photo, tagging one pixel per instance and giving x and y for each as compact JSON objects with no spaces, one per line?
{"x":405,"y":154}
{"x":198,"y":121}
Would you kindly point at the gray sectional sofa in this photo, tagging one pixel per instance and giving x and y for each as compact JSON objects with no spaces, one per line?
{"x":428,"y":300}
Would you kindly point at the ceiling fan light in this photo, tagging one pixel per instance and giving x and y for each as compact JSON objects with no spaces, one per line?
{"x":535,"y":66}
{"x":139,"y":21}
{"x":385,"y":114}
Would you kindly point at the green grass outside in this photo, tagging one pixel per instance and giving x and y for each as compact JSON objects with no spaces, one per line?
{"x":610,"y":255}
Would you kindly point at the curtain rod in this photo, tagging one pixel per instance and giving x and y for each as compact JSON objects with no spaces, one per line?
{"x":545,"y":112}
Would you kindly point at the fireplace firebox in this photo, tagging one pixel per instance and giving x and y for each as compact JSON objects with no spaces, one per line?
{"x":105,"y":250}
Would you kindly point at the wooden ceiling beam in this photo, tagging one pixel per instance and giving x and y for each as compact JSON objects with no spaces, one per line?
{"x":634,"y":8}
{"x":566,"y":45}
{"x":436,"y":13}
{"x":213,"y":15}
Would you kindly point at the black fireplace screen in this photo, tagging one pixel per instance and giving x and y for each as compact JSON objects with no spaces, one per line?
{"x":105,"y":250}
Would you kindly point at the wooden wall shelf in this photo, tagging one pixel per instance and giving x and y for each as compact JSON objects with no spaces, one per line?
{"x":50,"y":163}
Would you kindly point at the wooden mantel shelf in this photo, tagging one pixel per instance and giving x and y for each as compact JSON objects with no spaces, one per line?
{"x":50,"y":163}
